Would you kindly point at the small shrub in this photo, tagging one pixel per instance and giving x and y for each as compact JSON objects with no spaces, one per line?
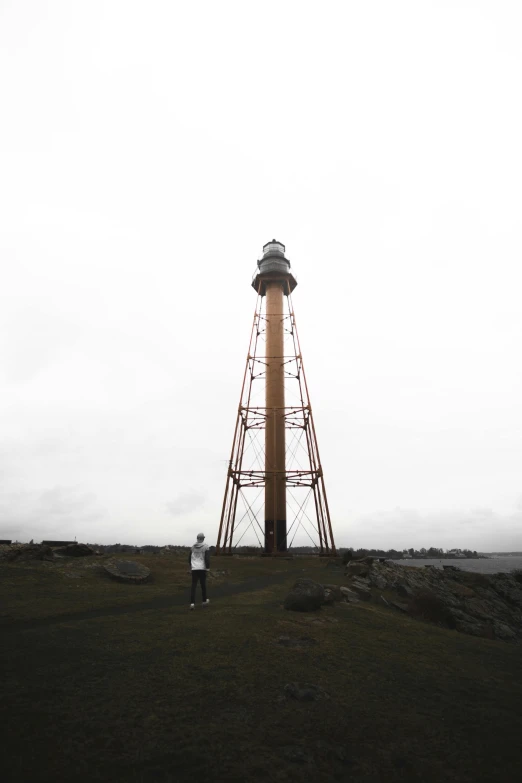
{"x":251,"y":550}
{"x":474,"y":579}
{"x":517,"y":574}
{"x":429,"y":606}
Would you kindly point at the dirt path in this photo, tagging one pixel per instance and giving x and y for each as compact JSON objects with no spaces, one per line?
{"x":161,"y":602}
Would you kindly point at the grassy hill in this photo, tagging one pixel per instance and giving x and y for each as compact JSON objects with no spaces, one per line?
{"x":105,"y":681}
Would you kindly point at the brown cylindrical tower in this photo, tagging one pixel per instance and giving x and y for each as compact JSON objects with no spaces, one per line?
{"x":275,"y":487}
{"x":275,"y":281}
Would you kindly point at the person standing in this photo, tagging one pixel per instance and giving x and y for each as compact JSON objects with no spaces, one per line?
{"x":199,"y":561}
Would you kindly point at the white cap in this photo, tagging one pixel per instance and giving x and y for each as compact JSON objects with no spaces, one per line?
{"x":201,"y":536}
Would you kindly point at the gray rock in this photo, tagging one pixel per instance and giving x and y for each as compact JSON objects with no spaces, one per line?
{"x":361,"y":580}
{"x":400,"y":606}
{"x":335,"y":590}
{"x":305,"y":596}
{"x":459,"y":614}
{"x":488,"y":606}
{"x":404,"y":591}
{"x":479,"y":608}
{"x":127,"y":571}
{"x":349,"y":595}
{"x":304,"y":692}
{"x":355,"y":568}
{"x":503,"y":631}
{"x":378,"y":581}
{"x":362,"y":590}
{"x":462,"y":591}
{"x":329,"y":596}
{"x":474,"y":628}
{"x":508,"y":588}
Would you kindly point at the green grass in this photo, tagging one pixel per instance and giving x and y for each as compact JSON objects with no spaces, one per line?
{"x":165,"y":694}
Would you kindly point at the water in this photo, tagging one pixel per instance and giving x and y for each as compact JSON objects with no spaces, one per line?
{"x":489,"y":565}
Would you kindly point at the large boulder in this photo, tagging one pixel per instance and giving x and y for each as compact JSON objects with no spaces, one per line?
{"x":362,"y":590}
{"x":349,"y":596}
{"x":305,"y":596}
{"x":127,"y":571}
{"x":377,"y":580}
{"x":355,"y":568}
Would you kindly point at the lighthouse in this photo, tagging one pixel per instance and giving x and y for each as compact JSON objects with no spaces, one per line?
{"x":267,"y":436}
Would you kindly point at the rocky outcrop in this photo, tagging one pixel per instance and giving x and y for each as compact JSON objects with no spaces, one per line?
{"x":305,"y":596}
{"x":21,"y":552}
{"x":483,"y":605}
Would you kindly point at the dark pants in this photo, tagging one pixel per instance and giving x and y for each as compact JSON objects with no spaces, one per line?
{"x":198,"y":576}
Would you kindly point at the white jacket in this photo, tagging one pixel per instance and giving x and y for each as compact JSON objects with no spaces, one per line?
{"x":198,"y":557}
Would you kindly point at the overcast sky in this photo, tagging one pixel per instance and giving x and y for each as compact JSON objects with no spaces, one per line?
{"x":147,"y":152}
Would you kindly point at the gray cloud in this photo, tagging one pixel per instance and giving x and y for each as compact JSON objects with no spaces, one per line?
{"x":479,"y":528}
{"x":186,"y":502}
{"x":123,"y":324}
{"x":55,"y":513}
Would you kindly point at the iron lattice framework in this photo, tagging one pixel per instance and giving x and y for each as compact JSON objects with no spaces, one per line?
{"x":248,"y":471}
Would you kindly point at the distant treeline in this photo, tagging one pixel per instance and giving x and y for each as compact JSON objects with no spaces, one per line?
{"x":132,"y":548}
{"x":423,"y":552}
{"x":397,"y":554}
{"x":390,"y":554}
